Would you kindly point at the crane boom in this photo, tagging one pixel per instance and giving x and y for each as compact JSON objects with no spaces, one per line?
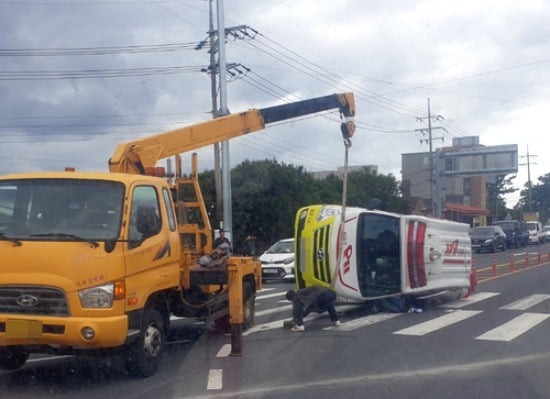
{"x":137,"y":155}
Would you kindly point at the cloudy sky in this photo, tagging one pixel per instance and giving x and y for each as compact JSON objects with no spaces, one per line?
{"x":78,"y":77}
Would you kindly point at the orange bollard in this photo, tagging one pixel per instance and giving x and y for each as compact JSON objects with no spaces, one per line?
{"x":538,"y":259}
{"x":494,"y":260}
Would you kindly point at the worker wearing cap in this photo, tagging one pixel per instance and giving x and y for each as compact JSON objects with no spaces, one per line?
{"x":311,"y":299}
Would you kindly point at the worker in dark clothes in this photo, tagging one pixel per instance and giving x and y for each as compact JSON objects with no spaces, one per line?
{"x":311,"y":299}
{"x":222,"y":239}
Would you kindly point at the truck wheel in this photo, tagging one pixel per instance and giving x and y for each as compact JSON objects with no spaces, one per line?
{"x":144,"y":354}
{"x":12,"y":359}
{"x":249,"y":305}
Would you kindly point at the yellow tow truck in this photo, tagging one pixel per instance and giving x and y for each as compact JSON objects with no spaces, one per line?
{"x":98,"y":262}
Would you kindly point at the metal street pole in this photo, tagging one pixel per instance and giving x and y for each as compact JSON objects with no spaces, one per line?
{"x":226,"y":164}
{"x":214,"y":94}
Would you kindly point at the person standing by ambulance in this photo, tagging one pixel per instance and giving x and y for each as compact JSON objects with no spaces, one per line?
{"x":311,"y":299}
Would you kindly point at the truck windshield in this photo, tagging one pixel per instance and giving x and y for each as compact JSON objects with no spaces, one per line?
{"x":379,"y":255}
{"x":60,"y":209}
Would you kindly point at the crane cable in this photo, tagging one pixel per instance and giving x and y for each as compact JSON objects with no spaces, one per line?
{"x":347,"y":128}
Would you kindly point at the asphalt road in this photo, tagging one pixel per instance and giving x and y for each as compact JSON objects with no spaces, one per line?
{"x":493,"y":344}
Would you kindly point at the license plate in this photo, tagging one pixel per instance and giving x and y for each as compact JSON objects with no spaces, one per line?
{"x":269,"y":271}
{"x":23,"y":328}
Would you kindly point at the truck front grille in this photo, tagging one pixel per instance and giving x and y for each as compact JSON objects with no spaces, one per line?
{"x":33,"y":300}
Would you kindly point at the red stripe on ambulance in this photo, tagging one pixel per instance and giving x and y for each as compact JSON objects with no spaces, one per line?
{"x":415,"y":254}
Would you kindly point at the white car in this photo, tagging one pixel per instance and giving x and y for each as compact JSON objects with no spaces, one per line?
{"x":278,"y":261}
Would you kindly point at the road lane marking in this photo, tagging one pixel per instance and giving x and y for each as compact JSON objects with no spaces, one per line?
{"x":478,"y":297}
{"x":363,"y":321}
{"x":215,"y":377}
{"x":224,"y":351}
{"x":438,"y":323}
{"x":514,"y":328}
{"x":526,"y":303}
{"x":48,"y":358}
{"x":265,"y":289}
{"x":271,"y":295}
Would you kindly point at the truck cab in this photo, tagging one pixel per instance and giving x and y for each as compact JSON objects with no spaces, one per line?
{"x":79,"y":253}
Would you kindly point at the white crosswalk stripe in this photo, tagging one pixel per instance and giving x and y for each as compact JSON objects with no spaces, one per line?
{"x":526,"y":303}
{"x":273,"y":310}
{"x":477,"y":297}
{"x":514,"y":328}
{"x":363,"y":321}
{"x":438,"y":323}
{"x":274,"y":295}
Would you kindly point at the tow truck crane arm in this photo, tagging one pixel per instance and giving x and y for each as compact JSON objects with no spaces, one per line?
{"x":138,"y":155}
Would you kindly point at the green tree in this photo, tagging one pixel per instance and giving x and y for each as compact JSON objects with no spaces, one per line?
{"x":495,"y":196}
{"x":540,"y":198}
{"x":364,"y":187}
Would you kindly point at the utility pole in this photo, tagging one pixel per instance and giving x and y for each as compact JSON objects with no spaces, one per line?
{"x":226,"y":163}
{"x":219,"y":67}
{"x":429,"y":141}
{"x":529,"y":196}
{"x":214,"y":94}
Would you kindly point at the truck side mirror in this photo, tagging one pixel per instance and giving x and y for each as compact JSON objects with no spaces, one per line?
{"x":148,"y":222}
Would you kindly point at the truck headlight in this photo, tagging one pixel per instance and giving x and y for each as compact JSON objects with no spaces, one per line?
{"x":97,"y":297}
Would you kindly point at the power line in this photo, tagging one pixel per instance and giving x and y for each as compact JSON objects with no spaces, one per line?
{"x":101,"y":50}
{"x":96,"y":73}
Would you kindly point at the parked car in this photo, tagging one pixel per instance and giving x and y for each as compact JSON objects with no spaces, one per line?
{"x":545,"y":234}
{"x":488,"y":238}
{"x":516,"y":234}
{"x":278,"y":261}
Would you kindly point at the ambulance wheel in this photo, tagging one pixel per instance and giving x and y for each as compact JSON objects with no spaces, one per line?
{"x":144,"y":354}
{"x":12,"y":359}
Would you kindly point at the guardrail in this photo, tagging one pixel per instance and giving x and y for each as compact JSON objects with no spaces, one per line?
{"x":518,"y":262}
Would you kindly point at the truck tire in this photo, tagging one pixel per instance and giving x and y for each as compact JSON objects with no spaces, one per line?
{"x":144,"y":354}
{"x":249,"y":305}
{"x":12,"y":359}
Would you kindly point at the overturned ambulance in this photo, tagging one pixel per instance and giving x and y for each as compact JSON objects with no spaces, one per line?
{"x":371,"y":254}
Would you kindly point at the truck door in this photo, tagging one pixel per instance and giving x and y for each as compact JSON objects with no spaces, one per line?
{"x":379,"y":255}
{"x":152,"y":260}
